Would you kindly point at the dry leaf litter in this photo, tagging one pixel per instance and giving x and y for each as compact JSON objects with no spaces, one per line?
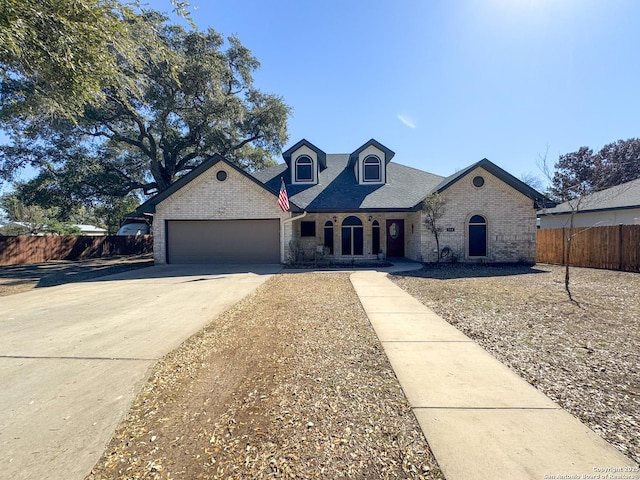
{"x":291,"y":382}
{"x":586,"y":357}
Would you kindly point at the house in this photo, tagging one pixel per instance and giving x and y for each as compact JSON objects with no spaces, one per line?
{"x":86,"y":230}
{"x":91,"y":230}
{"x":613,"y":206}
{"x":343,"y":207}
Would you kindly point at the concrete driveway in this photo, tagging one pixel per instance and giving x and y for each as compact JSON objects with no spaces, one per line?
{"x":73,"y":357}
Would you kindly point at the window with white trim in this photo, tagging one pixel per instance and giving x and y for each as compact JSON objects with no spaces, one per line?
{"x":372,"y":169}
{"x":304,"y":169}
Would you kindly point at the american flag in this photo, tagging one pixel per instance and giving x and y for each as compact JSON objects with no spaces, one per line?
{"x":283,"y":198}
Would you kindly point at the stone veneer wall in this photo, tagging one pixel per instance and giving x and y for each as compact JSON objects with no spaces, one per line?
{"x":207,"y":198}
{"x":510,"y":215}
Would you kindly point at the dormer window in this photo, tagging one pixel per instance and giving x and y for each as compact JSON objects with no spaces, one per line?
{"x":304,"y":169}
{"x":304,"y":162}
{"x":372,"y":169}
{"x":369,"y":163}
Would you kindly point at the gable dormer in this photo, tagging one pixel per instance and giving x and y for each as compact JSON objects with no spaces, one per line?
{"x":369,"y":163}
{"x":305,"y":162}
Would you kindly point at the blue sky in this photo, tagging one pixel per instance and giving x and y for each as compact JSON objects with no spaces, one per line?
{"x":445,"y":83}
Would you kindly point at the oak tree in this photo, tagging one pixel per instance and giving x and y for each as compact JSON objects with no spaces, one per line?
{"x":187,"y":95}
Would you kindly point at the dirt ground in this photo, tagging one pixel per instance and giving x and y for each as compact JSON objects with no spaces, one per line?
{"x":586,"y":357}
{"x":22,"y":278}
{"x":292,"y":382}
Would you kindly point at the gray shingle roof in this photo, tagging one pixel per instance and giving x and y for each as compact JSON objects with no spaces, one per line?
{"x":338,"y":190}
{"x":622,"y":196}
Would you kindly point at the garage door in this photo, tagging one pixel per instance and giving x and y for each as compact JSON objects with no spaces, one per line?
{"x":223,"y":241}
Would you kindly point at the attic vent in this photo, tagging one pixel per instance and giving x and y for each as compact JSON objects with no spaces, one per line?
{"x":221,"y":175}
{"x":478,"y":181}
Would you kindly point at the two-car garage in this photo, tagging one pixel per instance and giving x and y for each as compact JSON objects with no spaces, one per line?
{"x":223,"y":241}
{"x":217,"y":214}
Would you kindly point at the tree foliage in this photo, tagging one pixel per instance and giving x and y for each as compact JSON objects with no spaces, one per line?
{"x":583,"y":172}
{"x":62,"y":52}
{"x":33,"y":219}
{"x":185,"y":96}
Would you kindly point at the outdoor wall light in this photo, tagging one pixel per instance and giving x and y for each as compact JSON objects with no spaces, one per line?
{"x":335,"y":219}
{"x":370,"y":217}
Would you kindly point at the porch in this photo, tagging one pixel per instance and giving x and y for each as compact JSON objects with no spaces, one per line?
{"x":355,"y":237}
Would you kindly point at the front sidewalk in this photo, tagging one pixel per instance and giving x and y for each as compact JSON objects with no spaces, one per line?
{"x":480,"y":418}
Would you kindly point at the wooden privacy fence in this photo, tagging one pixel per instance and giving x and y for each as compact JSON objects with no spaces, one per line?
{"x":614,"y":248}
{"x":25,"y":249}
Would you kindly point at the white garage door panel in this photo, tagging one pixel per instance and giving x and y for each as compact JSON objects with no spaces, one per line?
{"x":223,"y":241}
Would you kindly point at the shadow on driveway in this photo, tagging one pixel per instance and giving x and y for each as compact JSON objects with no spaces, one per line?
{"x":21,"y":278}
{"x":14,"y":278}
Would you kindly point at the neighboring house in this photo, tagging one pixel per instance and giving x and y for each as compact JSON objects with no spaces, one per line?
{"x":343,"y":207}
{"x":86,"y":230}
{"x":613,"y":206}
{"x":91,"y":230}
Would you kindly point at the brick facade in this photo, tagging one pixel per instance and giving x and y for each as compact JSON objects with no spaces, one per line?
{"x":510,"y":216}
{"x":207,"y":198}
{"x":311,"y":248}
{"x":510,"y":219}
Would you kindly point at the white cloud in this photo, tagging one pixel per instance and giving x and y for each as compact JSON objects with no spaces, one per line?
{"x":406,"y":120}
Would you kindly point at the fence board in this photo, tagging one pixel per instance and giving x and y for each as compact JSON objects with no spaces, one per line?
{"x":630,"y":257}
{"x":614,"y":247}
{"x":26,"y":249}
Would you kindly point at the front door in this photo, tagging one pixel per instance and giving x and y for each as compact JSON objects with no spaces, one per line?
{"x":478,"y":236}
{"x":395,"y":238}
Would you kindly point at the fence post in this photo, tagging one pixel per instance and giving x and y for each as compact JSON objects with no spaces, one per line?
{"x":563,"y":246}
{"x":620,"y":246}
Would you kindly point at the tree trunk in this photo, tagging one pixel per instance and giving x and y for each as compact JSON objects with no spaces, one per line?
{"x":567,"y":277}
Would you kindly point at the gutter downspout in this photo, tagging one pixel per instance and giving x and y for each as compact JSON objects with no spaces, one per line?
{"x":282,"y":225}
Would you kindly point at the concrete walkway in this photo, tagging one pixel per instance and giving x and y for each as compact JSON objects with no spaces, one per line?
{"x":480,"y":418}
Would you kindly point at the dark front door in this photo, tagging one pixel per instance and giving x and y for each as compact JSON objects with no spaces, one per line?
{"x":478,"y":236}
{"x":395,"y":238}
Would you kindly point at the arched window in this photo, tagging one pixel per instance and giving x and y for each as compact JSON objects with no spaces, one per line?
{"x":372,"y":169}
{"x":477,"y":236}
{"x":375,"y":237}
{"x":328,"y":236}
{"x":352,"y":236}
{"x":304,"y":169}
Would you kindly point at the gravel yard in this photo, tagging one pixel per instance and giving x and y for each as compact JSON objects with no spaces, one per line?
{"x":291,"y":382}
{"x":586,"y":357}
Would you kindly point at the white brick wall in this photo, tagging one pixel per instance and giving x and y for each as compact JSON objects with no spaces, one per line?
{"x":511,"y":221}
{"x":207,"y":198}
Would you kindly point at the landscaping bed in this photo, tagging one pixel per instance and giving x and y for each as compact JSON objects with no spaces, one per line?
{"x":585,"y":356}
{"x":291,"y":382}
